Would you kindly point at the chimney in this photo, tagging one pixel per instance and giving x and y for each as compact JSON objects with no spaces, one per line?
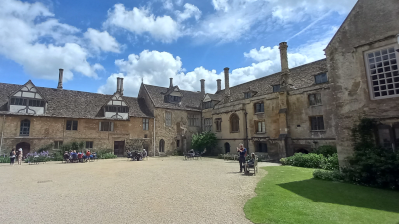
{"x":284,"y":58}
{"x":119,"y":85}
{"x":171,"y":83}
{"x":60,"y":77}
{"x":226,"y":82}
{"x":219,"y":84}
{"x":202,"y":85}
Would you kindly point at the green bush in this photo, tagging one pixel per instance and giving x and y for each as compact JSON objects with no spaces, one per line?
{"x":312,"y":160}
{"x":204,"y":140}
{"x":4,"y":159}
{"x":326,"y":150}
{"x":334,"y":175}
{"x":107,"y":155}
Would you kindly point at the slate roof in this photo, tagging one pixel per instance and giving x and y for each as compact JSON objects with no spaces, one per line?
{"x":189,"y":101}
{"x":217,"y":97}
{"x":301,"y":76}
{"x":74,"y":104}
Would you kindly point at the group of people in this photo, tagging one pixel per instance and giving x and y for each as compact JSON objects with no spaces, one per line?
{"x":79,"y":156}
{"x":137,"y":155}
{"x":16,"y":154}
{"x":243,"y":153}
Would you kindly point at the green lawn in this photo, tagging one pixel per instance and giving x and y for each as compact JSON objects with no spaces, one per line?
{"x":290,"y":195}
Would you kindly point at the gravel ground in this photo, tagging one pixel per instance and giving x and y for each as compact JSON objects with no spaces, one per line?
{"x":160,"y":190}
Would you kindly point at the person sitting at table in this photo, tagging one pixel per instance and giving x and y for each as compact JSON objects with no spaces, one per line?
{"x":66,"y":156}
{"x":80,"y":157}
{"x":88,"y":155}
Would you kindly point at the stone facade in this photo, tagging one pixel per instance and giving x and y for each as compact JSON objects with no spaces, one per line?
{"x":372,"y":25}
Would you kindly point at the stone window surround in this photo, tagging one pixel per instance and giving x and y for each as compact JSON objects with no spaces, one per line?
{"x":316,"y":105}
{"x":168,"y":118}
{"x":89,"y":144}
{"x":259,"y":102}
{"x":317,"y":130}
{"x":146,"y":124}
{"x":109,"y":128}
{"x":24,"y":129}
{"x":393,"y":135}
{"x":263,"y":126}
{"x":218,"y":122}
{"x":207,"y":124}
{"x":234,"y":115}
{"x":72,"y":125}
{"x":58,"y":144}
{"x":276,"y":88}
{"x":367,"y":68}
{"x":320,"y":83}
{"x":194,"y":120}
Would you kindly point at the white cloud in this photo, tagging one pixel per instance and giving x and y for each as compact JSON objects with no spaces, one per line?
{"x":141,"y":21}
{"x":189,"y":11}
{"x":221,"y":5}
{"x":102,"y":40}
{"x":31,"y":37}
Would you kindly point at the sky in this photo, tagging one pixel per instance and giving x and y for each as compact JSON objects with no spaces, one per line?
{"x":154,"y":40}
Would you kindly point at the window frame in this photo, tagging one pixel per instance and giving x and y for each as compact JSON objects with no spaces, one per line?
{"x":275,"y":89}
{"x":58,"y":144}
{"x":369,"y":75}
{"x":320,"y":74}
{"x":110,"y":126}
{"x":317,"y":117}
{"x":261,"y":107}
{"x":90,"y":143}
{"x":207,"y":124}
{"x":24,"y":130}
{"x":320,"y":103}
{"x":194,"y":120}
{"x":207,"y":105}
{"x":262,"y":126}
{"x":168,"y":118}
{"x":234,"y":116}
{"x":146,"y":124}
{"x":218,"y":122}
{"x":247,"y":95}
{"x":259,"y":145}
{"x":73,"y":122}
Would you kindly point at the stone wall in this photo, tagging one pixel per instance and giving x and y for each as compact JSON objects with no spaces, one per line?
{"x":46,"y":130}
{"x":369,"y":26}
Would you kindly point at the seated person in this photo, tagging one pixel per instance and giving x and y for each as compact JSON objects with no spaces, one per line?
{"x":144,"y":153}
{"x":74,"y":155}
{"x":80,"y":157}
{"x":191,"y":152}
{"x":251,"y":162}
{"x":66,"y":156}
{"x":94,"y":154}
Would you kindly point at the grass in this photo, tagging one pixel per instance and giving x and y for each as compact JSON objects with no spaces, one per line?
{"x":290,"y":195}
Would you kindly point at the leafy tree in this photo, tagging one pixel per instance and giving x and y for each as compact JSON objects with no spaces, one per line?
{"x":204,"y":140}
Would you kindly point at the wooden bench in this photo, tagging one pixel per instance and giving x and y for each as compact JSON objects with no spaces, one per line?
{"x":254,"y":166}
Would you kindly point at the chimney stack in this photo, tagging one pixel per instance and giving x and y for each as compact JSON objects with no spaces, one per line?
{"x":171,"y":83}
{"x":284,"y":58}
{"x":119,"y":85}
{"x":219,"y":84}
{"x":60,"y":77}
{"x":226,"y":82}
{"x":202,"y":85}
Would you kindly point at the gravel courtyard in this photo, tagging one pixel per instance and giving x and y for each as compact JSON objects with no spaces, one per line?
{"x":160,"y":190}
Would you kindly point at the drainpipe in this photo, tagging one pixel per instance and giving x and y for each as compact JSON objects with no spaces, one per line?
{"x":246,"y":129}
{"x":154,"y":138}
{"x":2,"y":131}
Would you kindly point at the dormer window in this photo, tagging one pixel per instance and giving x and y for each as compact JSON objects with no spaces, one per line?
{"x":172,"y":99}
{"x":119,"y":109}
{"x":207,"y":105}
{"x":247,"y":95}
{"x":116,"y":108}
{"x":321,"y":78}
{"x":27,"y":100}
{"x":276,"y":88}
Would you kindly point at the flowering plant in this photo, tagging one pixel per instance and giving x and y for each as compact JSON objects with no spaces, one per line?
{"x":43,"y":156}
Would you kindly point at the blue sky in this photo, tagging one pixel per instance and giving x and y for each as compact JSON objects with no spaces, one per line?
{"x":97,"y":41}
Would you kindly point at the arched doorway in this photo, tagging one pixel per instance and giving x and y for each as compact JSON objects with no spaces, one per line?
{"x":162,"y":146}
{"x":25,"y":147}
{"x":227,"y":147}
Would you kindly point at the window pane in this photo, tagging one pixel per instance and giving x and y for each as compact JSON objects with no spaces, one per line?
{"x":320,"y":123}
{"x":75,"y":125}
{"x":69,"y":125}
{"x":312,"y":100}
{"x":313,"y":123}
{"x":318,"y":98}
{"x":384,"y":136}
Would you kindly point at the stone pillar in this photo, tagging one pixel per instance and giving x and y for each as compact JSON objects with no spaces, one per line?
{"x":202,"y":86}
{"x":171,"y":83}
{"x":60,"y":77}
{"x":284,"y":57}
{"x":219,"y":84}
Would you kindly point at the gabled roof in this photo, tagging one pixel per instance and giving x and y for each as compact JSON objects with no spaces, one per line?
{"x":301,"y":77}
{"x":25,"y":85}
{"x":189,"y":101}
{"x":74,"y":104}
{"x":217,"y":97}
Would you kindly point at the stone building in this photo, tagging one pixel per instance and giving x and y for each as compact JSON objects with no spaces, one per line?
{"x":32,"y":117}
{"x":363,"y":68}
{"x":279,"y":114}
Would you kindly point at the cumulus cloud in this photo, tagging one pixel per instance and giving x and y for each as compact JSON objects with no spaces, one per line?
{"x":189,"y":11}
{"x":102,"y":40}
{"x":33,"y":38}
{"x":141,"y":21}
{"x":157,"y":67}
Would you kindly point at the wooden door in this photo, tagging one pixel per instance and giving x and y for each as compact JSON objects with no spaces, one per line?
{"x":119,"y":148}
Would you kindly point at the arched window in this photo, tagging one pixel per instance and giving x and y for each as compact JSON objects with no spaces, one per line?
{"x":162,"y":146}
{"x":234,"y":123}
{"x":24,"y":129}
{"x":227,"y":147}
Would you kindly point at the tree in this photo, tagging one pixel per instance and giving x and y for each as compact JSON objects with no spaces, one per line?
{"x":204,"y":140}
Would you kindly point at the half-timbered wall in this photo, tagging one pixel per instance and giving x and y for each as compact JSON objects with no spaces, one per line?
{"x":27,"y":101}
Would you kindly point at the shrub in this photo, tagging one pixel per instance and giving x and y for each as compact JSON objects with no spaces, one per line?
{"x":312,"y":160}
{"x":204,"y":140}
{"x":326,"y":150}
{"x":107,"y":155}
{"x":38,"y":157}
{"x":4,"y":159}
{"x":334,"y":175}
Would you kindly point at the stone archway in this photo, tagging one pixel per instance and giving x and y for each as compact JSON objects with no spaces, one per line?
{"x":25,"y":147}
{"x":302,"y":150}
